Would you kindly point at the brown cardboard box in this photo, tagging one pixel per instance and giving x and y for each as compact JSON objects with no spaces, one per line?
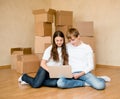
{"x":39,"y":55}
{"x":27,"y":63}
{"x":43,"y":29}
{"x":41,"y":43}
{"x":85,"y":28}
{"x":15,"y":52}
{"x":42,"y":15}
{"x":22,"y":50}
{"x":41,"y":11}
{"x":14,"y":56}
{"x":64,"y":29}
{"x":43,"y":18}
{"x":47,"y":45}
{"x":90,"y":41}
{"x":64,"y":18}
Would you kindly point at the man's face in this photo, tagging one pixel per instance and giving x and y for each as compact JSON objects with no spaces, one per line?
{"x":74,"y":40}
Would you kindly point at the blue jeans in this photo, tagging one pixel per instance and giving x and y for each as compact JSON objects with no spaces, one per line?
{"x":89,"y":78}
{"x":41,"y":78}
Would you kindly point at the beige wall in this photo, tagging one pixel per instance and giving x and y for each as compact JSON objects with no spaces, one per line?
{"x":17,"y":25}
{"x":106,"y":17}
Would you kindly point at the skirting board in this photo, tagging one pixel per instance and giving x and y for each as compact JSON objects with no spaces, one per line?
{"x":107,"y":66}
{"x":5,"y":67}
{"x":97,"y":66}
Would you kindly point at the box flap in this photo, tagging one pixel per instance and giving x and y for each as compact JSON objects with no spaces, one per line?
{"x":25,"y":58}
{"x":41,"y":11}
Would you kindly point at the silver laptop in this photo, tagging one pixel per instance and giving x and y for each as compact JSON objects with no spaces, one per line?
{"x":60,"y":71}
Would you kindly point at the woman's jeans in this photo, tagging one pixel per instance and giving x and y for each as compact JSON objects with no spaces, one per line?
{"x":41,"y":78}
{"x":89,"y":78}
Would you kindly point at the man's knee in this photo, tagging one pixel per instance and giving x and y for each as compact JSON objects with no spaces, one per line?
{"x":99,"y":86}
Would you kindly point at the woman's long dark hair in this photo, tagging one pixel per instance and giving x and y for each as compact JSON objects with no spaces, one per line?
{"x":54,"y":52}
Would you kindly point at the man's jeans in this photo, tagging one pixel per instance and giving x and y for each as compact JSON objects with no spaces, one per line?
{"x":89,"y":78}
{"x":41,"y":78}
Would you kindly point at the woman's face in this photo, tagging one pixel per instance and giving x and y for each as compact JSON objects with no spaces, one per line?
{"x":59,"y":41}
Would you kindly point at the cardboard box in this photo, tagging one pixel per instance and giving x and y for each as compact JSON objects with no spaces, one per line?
{"x":27,"y":63}
{"x":39,"y":55}
{"x":90,"y":41}
{"x":13,"y":59}
{"x":41,"y":43}
{"x":85,"y":28}
{"x":15,"y":52}
{"x":42,"y":15}
{"x":64,"y":29}
{"x":64,"y":18}
{"x":43,"y":29}
{"x":22,"y":50}
{"x":42,"y":11}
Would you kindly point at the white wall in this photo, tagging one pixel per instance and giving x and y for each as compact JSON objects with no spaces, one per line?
{"x":17,"y":25}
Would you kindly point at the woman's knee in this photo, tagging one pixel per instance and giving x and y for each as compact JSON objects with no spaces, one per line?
{"x":36,"y":85}
{"x":61,"y":83}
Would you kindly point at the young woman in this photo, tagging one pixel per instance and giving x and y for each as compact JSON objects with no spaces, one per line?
{"x":54,"y":55}
{"x":81,"y":62}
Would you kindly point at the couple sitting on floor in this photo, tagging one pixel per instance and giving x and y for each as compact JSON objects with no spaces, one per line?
{"x":75,"y":53}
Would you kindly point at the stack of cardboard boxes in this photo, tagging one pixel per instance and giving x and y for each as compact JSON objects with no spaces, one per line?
{"x":43,"y":21}
{"x":43,"y":30}
{"x":86,"y":29}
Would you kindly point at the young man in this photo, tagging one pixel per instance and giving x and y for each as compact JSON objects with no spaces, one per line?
{"x":81,"y":62}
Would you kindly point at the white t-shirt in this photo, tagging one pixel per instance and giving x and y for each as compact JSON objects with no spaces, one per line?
{"x":50,"y":61}
{"x":80,"y":57}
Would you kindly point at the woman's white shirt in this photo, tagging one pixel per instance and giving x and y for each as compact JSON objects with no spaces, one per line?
{"x":50,"y":61}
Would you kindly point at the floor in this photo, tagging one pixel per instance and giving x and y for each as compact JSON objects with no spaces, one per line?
{"x":11,"y":89}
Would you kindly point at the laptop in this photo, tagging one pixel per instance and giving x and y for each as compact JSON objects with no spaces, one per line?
{"x":60,"y":71}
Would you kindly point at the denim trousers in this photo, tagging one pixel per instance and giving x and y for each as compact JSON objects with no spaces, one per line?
{"x":41,"y":79}
{"x":89,"y":78}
